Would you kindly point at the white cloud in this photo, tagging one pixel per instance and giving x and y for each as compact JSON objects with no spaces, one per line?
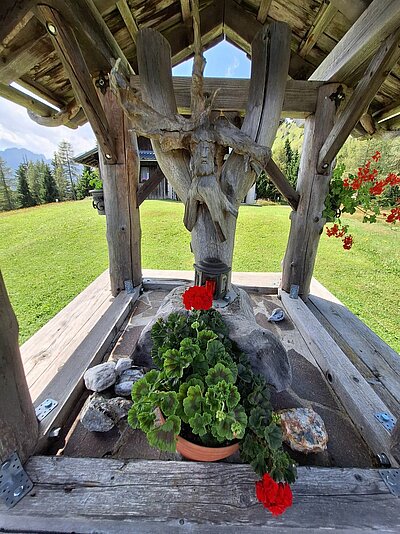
{"x":232,"y":67}
{"x":18,"y":130}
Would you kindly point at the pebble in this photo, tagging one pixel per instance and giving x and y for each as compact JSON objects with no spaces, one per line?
{"x":304,"y":430}
{"x":100,"y":377}
{"x":101,"y":415}
{"x":125,"y":382}
{"x":122,"y":365}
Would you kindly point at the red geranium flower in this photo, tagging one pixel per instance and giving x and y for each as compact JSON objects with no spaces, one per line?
{"x":199,"y":297}
{"x":274,"y":496}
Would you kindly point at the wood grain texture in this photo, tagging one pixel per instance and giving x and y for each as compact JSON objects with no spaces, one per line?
{"x":147,"y":187}
{"x":377,"y":22}
{"x":130,"y":22}
{"x":18,"y":423}
{"x":299,"y":101}
{"x":379,"y":363}
{"x":11,"y":13}
{"x":66,"y":45}
{"x":263,"y":10}
{"x":120,"y":184}
{"x":356,"y":395}
{"x":76,"y":494}
{"x":307,"y":221}
{"x":28,"y":102}
{"x":383,"y":62}
{"x":324,"y":17}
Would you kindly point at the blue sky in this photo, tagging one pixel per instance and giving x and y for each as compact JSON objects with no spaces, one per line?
{"x":17,"y":129}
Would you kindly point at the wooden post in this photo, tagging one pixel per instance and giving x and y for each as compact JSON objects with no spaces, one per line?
{"x":120,"y":184}
{"x":307,"y":222}
{"x":18,"y":423}
{"x":395,"y":441}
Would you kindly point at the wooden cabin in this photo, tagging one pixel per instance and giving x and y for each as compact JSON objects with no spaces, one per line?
{"x":334,"y":63}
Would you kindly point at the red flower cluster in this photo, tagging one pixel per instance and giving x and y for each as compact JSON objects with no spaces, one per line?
{"x":339,"y":232}
{"x":199,"y":297}
{"x":364,"y":174}
{"x":394,"y":215}
{"x":274,"y":496}
{"x":391,"y":179}
{"x":377,"y":156}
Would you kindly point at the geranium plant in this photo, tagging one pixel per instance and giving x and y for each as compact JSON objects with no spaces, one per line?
{"x":363,"y":191}
{"x":208,"y":392}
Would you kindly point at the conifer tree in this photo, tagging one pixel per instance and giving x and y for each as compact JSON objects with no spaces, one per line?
{"x":24,"y":195}
{"x":7,"y":201}
{"x":50,"y":192}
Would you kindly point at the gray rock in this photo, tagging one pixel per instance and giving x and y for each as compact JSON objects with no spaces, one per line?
{"x":122,"y":365}
{"x":276,"y":316}
{"x":304,"y":430}
{"x":100,"y":414}
{"x":266,"y":353}
{"x":100,"y":377}
{"x":125,"y":382}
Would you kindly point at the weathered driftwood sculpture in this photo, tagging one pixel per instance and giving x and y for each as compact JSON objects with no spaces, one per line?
{"x":191,"y":151}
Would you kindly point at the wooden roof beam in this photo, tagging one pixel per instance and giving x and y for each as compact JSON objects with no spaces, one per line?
{"x":263,"y":10}
{"x":387,"y":113}
{"x":240,"y":27}
{"x":377,"y":22}
{"x":359,"y":101}
{"x":324,"y":17}
{"x":299,"y":101}
{"x":351,"y":9}
{"x":69,"y":52}
{"x":128,"y":18}
{"x":186,"y":13}
{"x":18,"y":97}
{"x":12,"y":12}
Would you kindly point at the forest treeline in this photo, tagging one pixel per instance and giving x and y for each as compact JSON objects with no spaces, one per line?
{"x":35,"y":183}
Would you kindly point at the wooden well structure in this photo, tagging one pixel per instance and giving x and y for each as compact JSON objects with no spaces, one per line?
{"x":333,"y":63}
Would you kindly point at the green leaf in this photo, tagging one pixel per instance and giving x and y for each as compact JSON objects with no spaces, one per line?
{"x":222,"y":429}
{"x":132,"y":417}
{"x":240,"y":422}
{"x":164,"y":437}
{"x":273,"y":436}
{"x":146,"y":420}
{"x":140,"y":389}
{"x":194,"y":401}
{"x":169,"y":402}
{"x":219,"y":373}
{"x":175,"y":363}
{"x":199,"y":423}
{"x":258,"y":420}
{"x":205,"y":336}
{"x":188,"y":349}
{"x":152,"y":376}
{"x":215,"y":351}
{"x":233,"y":397}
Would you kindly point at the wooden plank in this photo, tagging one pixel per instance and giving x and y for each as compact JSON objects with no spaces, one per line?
{"x":127,"y":16}
{"x":299,"y":100}
{"x":120,"y":184}
{"x":306,"y":222}
{"x":282,"y":184}
{"x":263,"y":10}
{"x":368,"y":86}
{"x":324,"y":17}
{"x":351,"y":9}
{"x":147,"y":187}
{"x":377,"y":22}
{"x":82,"y":494}
{"x":388,"y":112}
{"x":12,"y":12}
{"x":186,"y":13}
{"x":69,"y":52}
{"x":67,"y":385}
{"x":356,"y":395}
{"x":18,"y":97}
{"x":358,"y":341}
{"x":18,"y":423}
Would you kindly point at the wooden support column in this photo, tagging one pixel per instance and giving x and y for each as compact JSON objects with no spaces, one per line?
{"x":120,"y":184}
{"x":18,"y":423}
{"x":307,"y":222}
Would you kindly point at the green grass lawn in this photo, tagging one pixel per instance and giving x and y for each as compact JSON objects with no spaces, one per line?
{"x":50,"y":253}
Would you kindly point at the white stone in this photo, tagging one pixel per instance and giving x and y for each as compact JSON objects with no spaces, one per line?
{"x":100,"y":377}
{"x":122,"y":365}
{"x":125,"y":382}
{"x":304,"y":430}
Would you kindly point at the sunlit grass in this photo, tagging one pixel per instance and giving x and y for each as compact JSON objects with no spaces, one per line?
{"x":48,"y":254}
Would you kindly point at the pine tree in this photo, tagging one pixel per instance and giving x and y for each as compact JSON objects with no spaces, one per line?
{"x":59,"y":178}
{"x":7,"y":201}
{"x":50,"y":192}
{"x":24,"y":195}
{"x":35,"y":180}
{"x":84,"y":183}
{"x":65,"y":156}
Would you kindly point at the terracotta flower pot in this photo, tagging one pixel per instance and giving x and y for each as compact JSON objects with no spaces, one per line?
{"x":201,"y":453}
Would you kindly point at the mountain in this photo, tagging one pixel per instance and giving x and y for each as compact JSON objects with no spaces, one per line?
{"x":14,"y":156}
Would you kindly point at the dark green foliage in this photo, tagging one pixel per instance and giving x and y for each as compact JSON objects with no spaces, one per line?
{"x":206,"y":388}
{"x":84,"y":185}
{"x":24,"y":195}
{"x":50,"y":191}
{"x":7,"y":197}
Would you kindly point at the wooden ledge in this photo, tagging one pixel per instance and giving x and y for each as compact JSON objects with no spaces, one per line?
{"x":116,"y":496}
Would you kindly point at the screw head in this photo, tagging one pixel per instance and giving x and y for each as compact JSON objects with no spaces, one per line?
{"x":325,"y":165}
{"x":19,"y":490}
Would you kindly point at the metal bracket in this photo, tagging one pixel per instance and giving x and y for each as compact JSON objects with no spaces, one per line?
{"x":230,"y":297}
{"x":294,"y":291}
{"x":391,"y":477}
{"x":387,"y":420}
{"x":45,"y":408}
{"x":14,"y":482}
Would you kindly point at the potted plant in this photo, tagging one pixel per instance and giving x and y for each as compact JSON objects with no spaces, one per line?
{"x":205,"y":401}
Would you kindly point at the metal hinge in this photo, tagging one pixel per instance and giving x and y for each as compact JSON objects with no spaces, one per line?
{"x":391,"y":477}
{"x":14,"y":482}
{"x":45,"y":408}
{"x":387,"y":420}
